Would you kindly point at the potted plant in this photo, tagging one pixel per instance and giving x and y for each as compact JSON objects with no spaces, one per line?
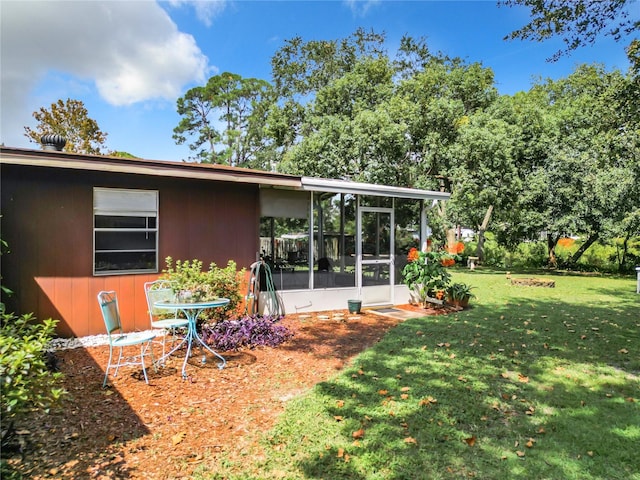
{"x":354,"y":306}
{"x":459,"y":294}
{"x":425,"y":274}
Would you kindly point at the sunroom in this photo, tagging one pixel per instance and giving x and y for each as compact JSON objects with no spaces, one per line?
{"x":331,"y":241}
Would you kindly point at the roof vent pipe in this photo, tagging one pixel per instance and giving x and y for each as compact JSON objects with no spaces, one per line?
{"x":52,"y":141}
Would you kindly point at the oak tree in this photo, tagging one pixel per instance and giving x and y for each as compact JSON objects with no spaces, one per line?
{"x":71,"y":120}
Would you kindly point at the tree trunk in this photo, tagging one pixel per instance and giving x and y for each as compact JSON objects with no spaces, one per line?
{"x":583,"y":248}
{"x":481,"y":230}
{"x":625,"y":250}
{"x":451,"y":240}
{"x":551,"y":246}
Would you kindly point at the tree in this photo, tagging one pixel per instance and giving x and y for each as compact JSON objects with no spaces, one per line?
{"x":357,"y":114}
{"x":486,"y":183}
{"x":346,"y":109}
{"x":585,"y":180}
{"x":350,"y":129}
{"x":71,"y":120}
{"x":225,"y":118}
{"x":300,"y":69}
{"x":526,"y":121}
{"x":580,"y":22}
{"x":438,"y":100}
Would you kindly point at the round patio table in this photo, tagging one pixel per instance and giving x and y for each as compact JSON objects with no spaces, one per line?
{"x":192,"y":310}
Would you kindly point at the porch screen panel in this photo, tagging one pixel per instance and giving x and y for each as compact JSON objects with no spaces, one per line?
{"x":125,"y":231}
{"x":284,"y":236}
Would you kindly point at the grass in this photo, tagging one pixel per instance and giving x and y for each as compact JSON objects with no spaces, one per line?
{"x":528,"y":383}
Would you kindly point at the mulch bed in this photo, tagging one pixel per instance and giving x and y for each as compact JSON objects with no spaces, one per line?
{"x":167,"y":428}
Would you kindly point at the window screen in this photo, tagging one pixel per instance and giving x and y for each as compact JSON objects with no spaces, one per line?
{"x":125,"y":231}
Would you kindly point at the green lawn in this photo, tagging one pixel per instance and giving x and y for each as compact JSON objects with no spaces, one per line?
{"x":529,"y":383}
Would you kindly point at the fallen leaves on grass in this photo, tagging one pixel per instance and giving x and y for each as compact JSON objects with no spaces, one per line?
{"x":427,"y":402}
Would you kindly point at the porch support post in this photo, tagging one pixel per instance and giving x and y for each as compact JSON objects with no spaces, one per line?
{"x":423,"y":225}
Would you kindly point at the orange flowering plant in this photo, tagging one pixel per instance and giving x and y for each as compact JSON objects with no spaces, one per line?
{"x":447,"y":262}
{"x":425,"y":272}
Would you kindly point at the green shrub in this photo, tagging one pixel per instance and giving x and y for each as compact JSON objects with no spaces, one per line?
{"x":188,"y":275}
{"x":602,"y":256}
{"x":25,"y":380}
{"x":530,"y":255}
{"x":495,"y":255}
{"x":599,"y":257}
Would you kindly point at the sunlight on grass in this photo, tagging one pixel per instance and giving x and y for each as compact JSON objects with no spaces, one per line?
{"x":528,"y":383}
{"x":632,"y":432}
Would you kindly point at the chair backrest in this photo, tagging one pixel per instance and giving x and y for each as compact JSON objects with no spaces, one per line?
{"x":108,"y":301}
{"x":159,"y":291}
{"x":324,"y":265}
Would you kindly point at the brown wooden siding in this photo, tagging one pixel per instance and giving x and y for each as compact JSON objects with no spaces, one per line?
{"x":47,"y":220}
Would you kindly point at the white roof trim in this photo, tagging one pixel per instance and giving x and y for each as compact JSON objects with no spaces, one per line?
{"x":343,"y":186}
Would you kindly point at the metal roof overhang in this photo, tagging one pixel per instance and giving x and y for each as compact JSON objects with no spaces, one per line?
{"x":344,"y":186}
{"x":160,"y":168}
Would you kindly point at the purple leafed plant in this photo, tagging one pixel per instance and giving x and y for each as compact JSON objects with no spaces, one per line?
{"x":249,"y":332}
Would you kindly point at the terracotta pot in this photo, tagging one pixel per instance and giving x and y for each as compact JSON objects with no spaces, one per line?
{"x":459,"y":302}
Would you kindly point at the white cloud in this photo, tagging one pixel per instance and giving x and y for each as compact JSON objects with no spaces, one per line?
{"x":360,"y":7}
{"x":130,"y":51}
{"x":205,"y":10}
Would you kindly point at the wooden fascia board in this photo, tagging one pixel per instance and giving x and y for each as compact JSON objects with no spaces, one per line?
{"x":154,"y":169}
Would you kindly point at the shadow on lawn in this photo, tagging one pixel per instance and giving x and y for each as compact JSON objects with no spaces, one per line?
{"x":83,"y":455}
{"x":516,"y":391}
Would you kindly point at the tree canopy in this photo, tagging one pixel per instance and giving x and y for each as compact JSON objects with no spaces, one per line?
{"x":223,"y":120}
{"x":71,"y":120}
{"x":578,"y":22}
{"x":560,"y":159}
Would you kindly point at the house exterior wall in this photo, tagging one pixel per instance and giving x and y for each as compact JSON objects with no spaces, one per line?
{"x":47,"y":221}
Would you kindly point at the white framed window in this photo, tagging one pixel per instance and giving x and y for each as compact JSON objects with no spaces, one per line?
{"x":125,"y":231}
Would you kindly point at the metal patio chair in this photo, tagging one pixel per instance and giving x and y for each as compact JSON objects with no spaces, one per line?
{"x":108,"y":301}
{"x":163,"y":318}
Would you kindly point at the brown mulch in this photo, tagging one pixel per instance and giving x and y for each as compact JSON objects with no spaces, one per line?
{"x":167,"y":428}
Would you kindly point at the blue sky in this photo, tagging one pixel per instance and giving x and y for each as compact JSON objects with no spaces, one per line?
{"x":129,"y":61}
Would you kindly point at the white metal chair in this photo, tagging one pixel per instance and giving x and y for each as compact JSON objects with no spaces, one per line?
{"x":108,"y":301}
{"x":163,"y":318}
